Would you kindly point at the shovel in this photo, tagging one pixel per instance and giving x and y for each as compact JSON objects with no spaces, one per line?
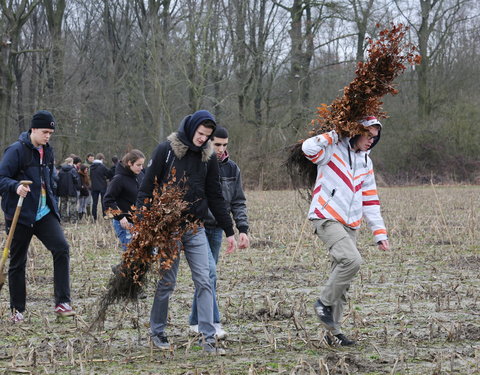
{"x":6,"y":249}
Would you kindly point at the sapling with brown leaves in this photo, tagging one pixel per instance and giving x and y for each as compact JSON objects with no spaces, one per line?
{"x":157,"y":230}
{"x":388,"y":57}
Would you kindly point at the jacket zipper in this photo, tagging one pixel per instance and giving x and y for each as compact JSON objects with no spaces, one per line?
{"x":353,"y":184}
{"x":329,"y":199}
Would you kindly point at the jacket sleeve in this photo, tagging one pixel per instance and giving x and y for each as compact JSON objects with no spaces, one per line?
{"x":114,"y":190}
{"x":9,"y":168}
{"x":154,"y":171}
{"x":371,"y":206}
{"x":109,"y":173}
{"x":238,"y":205}
{"x":315,"y":148}
{"x":216,"y":202}
{"x":76,"y":179}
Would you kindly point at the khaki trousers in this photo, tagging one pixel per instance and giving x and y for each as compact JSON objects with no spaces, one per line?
{"x":345,"y":264}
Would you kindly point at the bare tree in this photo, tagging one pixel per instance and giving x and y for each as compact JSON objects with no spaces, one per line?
{"x":14,"y":16}
{"x":362,"y":11}
{"x":433,"y":22}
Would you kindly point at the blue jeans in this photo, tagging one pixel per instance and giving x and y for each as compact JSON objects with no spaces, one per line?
{"x":214,"y":236}
{"x":123,"y":235}
{"x":196,"y":251}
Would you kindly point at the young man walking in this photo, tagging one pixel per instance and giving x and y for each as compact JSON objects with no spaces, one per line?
{"x":345,"y":191}
{"x":68,"y":189}
{"x":31,"y":158}
{"x":232,"y":191}
{"x":190,"y":153}
{"x":99,"y":175}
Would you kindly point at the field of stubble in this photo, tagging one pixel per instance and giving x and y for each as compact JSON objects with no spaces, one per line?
{"x":414,"y":310}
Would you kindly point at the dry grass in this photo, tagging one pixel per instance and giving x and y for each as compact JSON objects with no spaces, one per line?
{"x":414,"y":310}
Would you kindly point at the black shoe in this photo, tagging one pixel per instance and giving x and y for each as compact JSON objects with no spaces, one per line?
{"x":339,"y":339}
{"x":142,"y":295}
{"x":324,"y":313}
{"x":211,"y":348}
{"x":160,"y":341}
{"x":117,"y":268}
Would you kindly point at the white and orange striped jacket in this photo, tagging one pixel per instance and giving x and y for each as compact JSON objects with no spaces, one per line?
{"x":345,"y":189}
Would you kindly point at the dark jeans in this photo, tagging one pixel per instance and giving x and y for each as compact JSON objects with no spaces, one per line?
{"x":50,"y":233}
{"x":95,"y":194}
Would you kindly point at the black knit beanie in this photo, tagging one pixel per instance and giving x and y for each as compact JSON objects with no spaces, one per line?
{"x":43,"y":120}
{"x":220,"y":132}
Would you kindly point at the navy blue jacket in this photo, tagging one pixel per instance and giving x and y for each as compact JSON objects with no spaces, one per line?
{"x":68,"y":181}
{"x":99,"y":174}
{"x":21,"y":161}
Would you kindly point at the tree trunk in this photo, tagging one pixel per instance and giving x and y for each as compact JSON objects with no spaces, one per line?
{"x":423,"y":96}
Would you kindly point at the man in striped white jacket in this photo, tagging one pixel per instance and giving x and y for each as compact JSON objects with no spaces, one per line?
{"x":345,"y":192}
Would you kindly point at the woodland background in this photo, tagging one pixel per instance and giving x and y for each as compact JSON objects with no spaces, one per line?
{"x":119,"y":74}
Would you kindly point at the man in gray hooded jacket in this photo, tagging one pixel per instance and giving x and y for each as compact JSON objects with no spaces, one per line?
{"x":232,"y":190}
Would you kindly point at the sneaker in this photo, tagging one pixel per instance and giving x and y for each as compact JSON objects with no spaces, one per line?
{"x":324,"y":313}
{"x":219,"y":331}
{"x":17,"y":317}
{"x":64,"y":309}
{"x":211,"y":348}
{"x":160,"y":341}
{"x":194,"y":328}
{"x":339,"y":339}
{"x":142,"y":295}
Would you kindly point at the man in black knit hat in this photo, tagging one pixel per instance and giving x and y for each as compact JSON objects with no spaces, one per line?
{"x":31,"y":158}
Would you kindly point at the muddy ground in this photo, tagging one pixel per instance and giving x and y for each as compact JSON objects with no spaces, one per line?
{"x":413,"y":310}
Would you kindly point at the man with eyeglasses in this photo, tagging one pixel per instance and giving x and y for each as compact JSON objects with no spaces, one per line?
{"x":345,"y":192}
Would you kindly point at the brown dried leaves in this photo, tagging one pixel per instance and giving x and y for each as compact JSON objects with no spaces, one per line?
{"x":157,"y":230}
{"x":388,"y":57}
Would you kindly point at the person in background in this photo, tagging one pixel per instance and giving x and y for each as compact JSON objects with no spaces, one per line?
{"x":344,"y":192}
{"x":232,"y":190}
{"x":99,"y":175}
{"x":84,"y":191}
{"x":32,"y":158}
{"x":122,"y":193}
{"x":89,"y":158}
{"x":68,"y":188}
{"x":113,"y":168}
{"x":77,"y":162}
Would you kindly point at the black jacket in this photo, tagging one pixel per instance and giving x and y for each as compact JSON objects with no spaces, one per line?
{"x":233,"y":194}
{"x":21,"y":161}
{"x":99,"y":174}
{"x":200,"y":168}
{"x":68,"y":181}
{"x":122,"y":191}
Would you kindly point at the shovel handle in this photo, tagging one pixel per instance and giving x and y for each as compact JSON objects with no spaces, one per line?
{"x":6,"y":249}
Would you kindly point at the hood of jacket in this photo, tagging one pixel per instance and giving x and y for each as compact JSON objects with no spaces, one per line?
{"x":180,"y":149}
{"x":96,"y":164}
{"x":67,"y":167}
{"x":366,"y":122}
{"x":123,"y":170}
{"x":25,"y":138}
{"x":189,"y":125}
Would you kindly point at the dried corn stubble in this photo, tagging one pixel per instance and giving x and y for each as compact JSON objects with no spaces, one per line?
{"x":157,"y":231}
{"x":388,"y":57}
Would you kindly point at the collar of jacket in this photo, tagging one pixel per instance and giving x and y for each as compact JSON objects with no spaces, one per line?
{"x":180,"y":149}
